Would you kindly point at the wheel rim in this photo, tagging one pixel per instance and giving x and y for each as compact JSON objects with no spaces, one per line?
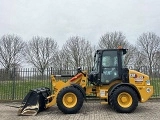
{"x":125,"y":100}
{"x":69,"y":100}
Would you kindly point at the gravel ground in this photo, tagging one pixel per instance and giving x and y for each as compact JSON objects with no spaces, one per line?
{"x":91,"y":110}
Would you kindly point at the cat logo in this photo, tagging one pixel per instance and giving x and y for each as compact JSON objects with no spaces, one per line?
{"x":133,"y":75}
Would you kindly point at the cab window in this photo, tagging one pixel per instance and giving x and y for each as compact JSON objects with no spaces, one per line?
{"x":109,"y":66}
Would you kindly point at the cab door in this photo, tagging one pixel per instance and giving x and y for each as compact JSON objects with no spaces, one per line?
{"x":109,"y":66}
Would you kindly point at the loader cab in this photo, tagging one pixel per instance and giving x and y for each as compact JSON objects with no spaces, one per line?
{"x":108,"y":66}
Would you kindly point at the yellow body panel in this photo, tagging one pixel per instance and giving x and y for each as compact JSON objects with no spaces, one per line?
{"x":139,"y":80}
{"x":101,"y":91}
{"x":145,"y":92}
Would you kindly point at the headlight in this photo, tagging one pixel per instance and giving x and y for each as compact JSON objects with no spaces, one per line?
{"x":148,"y":90}
{"x":148,"y":82}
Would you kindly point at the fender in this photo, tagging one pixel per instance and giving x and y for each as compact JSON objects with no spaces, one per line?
{"x":123,"y":84}
{"x":81,"y":89}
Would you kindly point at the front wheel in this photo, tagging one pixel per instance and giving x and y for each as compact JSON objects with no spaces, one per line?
{"x":124,"y":99}
{"x":70,"y":100}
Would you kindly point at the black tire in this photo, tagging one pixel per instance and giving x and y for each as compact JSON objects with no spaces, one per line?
{"x":123,"y":99}
{"x":74,"y":102}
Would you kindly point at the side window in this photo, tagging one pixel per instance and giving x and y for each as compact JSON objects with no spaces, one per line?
{"x":106,"y":61}
{"x":109,"y":66}
{"x":115,"y":63}
{"x":110,"y":60}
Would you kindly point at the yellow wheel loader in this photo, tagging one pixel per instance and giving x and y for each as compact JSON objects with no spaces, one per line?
{"x":109,"y":80}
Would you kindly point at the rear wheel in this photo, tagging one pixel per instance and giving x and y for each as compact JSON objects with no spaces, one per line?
{"x":70,"y":100}
{"x":124,"y":99}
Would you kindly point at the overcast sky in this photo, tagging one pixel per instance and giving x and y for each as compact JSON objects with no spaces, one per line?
{"x":90,"y":19}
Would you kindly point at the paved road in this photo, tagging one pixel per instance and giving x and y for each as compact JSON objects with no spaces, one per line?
{"x":91,"y":110}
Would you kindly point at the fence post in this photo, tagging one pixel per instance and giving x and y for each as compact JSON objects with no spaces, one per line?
{"x":13,"y":79}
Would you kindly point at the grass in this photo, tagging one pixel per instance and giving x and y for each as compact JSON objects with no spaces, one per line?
{"x":10,"y":90}
{"x":156,"y":86}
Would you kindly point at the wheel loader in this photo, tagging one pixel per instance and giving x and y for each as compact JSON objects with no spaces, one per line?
{"x":110,"y":81}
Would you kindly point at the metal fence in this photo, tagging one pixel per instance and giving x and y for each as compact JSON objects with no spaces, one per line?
{"x":16,"y":83}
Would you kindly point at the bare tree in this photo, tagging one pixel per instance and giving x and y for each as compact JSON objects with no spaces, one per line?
{"x":41,"y":52}
{"x":61,"y":60}
{"x":138,"y":60}
{"x":111,"y":40}
{"x":78,"y":52}
{"x":157,"y":58}
{"x":11,"y":47}
{"x":149,"y":44}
